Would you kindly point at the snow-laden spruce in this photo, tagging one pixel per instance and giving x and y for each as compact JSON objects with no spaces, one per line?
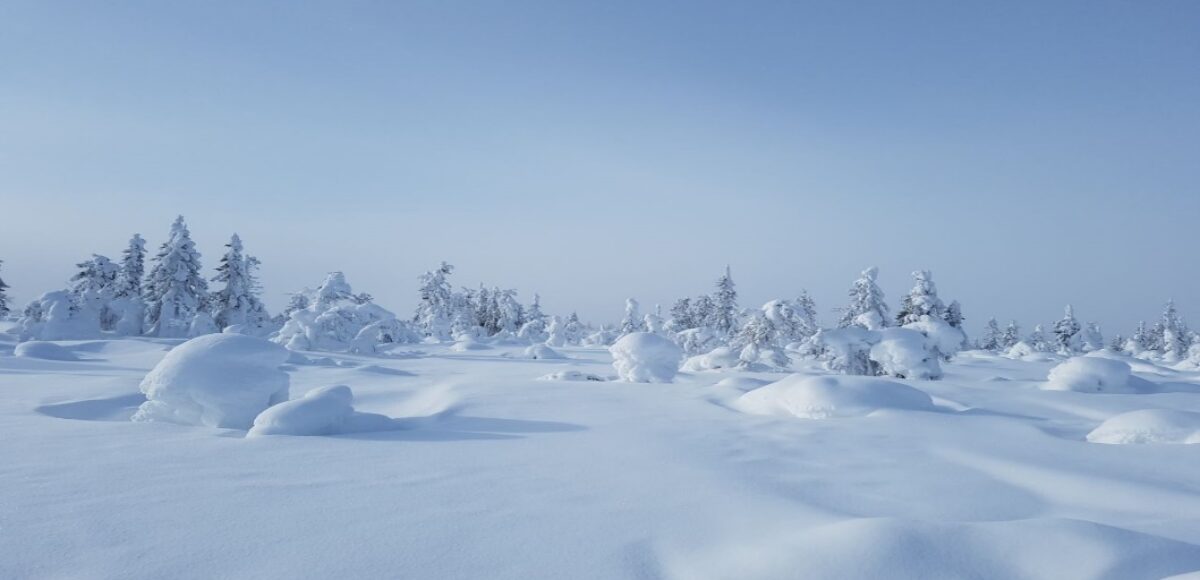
{"x":867,"y":308}
{"x":643,"y":357}
{"x":4,"y":308}
{"x":175,"y":291}
{"x":810,"y":397}
{"x":238,"y":304}
{"x":216,"y":380}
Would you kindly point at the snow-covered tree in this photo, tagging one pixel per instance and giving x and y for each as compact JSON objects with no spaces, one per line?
{"x":133,"y":269}
{"x":922,"y":300}
{"x":806,"y":315}
{"x":4,"y":308}
{"x":1140,"y":341}
{"x":573,"y":330}
{"x":703,"y":311}
{"x":434,"y":316}
{"x":556,"y":334}
{"x":510,"y":314}
{"x":1117,"y":343}
{"x":757,"y":344}
{"x":1037,"y":340}
{"x":725,"y":311}
{"x":1066,"y":332}
{"x":867,"y":307}
{"x":681,"y":315}
{"x":335,"y":321}
{"x":653,"y":321}
{"x":1091,"y":339}
{"x":92,"y":290}
{"x":534,"y":310}
{"x":954,"y":315}
{"x":1011,"y":335}
{"x":1174,"y":334}
{"x":992,"y":338}
{"x":238,"y":302}
{"x":175,"y":291}
{"x":633,"y":321}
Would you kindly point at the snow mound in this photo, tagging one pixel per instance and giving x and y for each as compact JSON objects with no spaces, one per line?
{"x":743,"y":384}
{"x":541,"y":351}
{"x":1095,"y":375}
{"x":572,"y":376}
{"x":323,"y":411}
{"x":721,"y":357}
{"x":1148,"y":426}
{"x":468,"y":344}
{"x":43,"y":350}
{"x":644,"y":357}
{"x":216,"y":380}
{"x":810,"y":397}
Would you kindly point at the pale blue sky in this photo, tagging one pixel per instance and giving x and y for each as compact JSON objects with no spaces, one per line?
{"x":1029,"y":153}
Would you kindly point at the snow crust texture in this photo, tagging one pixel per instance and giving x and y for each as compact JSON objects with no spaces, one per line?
{"x":216,"y":380}
{"x":1149,"y":426}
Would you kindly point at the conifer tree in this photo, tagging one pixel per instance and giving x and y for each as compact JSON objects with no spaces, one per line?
{"x":681,"y":315}
{"x":434,"y":316}
{"x":238,"y":302}
{"x":1037,"y":339}
{"x":922,"y":300}
{"x":4,"y":308}
{"x":992,"y":337}
{"x":1011,"y":336}
{"x":725,"y":312}
{"x":633,"y":321}
{"x":1174,"y":335}
{"x":133,"y":269}
{"x":954,"y":315}
{"x":806,"y":315}
{"x":867,"y":306}
{"x":574,"y":330}
{"x":1066,"y":332}
{"x":175,"y":292}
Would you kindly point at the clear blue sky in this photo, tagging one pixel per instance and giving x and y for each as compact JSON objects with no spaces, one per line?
{"x":1029,"y":153}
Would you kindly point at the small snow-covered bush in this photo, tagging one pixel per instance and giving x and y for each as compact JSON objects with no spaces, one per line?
{"x":811,"y":397}
{"x":60,"y":316}
{"x":905,"y":353}
{"x":542,"y":352}
{"x":643,"y":357}
{"x":946,"y":339}
{"x":1148,"y":426}
{"x":1087,"y":374}
{"x":323,"y":411}
{"x":695,"y":341}
{"x":337,"y":320}
{"x":43,"y":350}
{"x":216,"y":380}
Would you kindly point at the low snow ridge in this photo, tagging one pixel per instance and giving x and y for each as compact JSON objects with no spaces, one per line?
{"x":1148,"y":426}
{"x":824,"y":397}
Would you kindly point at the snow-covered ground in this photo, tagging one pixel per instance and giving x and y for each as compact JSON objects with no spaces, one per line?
{"x":501,"y":466}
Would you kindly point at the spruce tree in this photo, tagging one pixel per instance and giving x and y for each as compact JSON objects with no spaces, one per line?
{"x":434,"y":316}
{"x":954,"y":315}
{"x":1037,"y":339}
{"x":922,"y":300}
{"x":1066,"y":332}
{"x":633,"y":321}
{"x":238,"y":302}
{"x":1011,"y":336}
{"x":725,"y":313}
{"x":1174,"y":334}
{"x":175,"y":292}
{"x":992,"y":337}
{"x":867,"y":306}
{"x":681,"y":315}
{"x":133,"y":269}
{"x":806,"y":315}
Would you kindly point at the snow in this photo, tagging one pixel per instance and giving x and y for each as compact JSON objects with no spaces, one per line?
{"x":43,"y":350}
{"x":906,"y":353}
{"x":468,"y":344}
{"x":216,"y":380}
{"x":1148,"y":426}
{"x":542,"y":352}
{"x":572,"y":376}
{"x":496,"y":474}
{"x":721,"y":357}
{"x":323,"y":411}
{"x":1087,"y":374}
{"x":645,"y":357}
{"x":810,"y":397}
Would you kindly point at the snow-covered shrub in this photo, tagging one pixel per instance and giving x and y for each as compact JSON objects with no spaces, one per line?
{"x":602,"y":337}
{"x":1148,"y":426}
{"x":845,"y":350}
{"x":906,"y":353}
{"x":946,"y":339}
{"x":643,"y":357}
{"x":216,"y":380}
{"x":337,"y":320}
{"x":323,"y":411}
{"x":721,"y":357}
{"x":542,"y":352}
{"x":1094,"y":375}
{"x":60,"y":316}
{"x":43,"y":350}
{"x":695,"y":341}
{"x":811,"y":397}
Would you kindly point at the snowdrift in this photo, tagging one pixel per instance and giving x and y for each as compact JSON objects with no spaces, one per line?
{"x":323,"y":411}
{"x":1095,"y":375}
{"x":644,"y":357}
{"x":1148,"y":426}
{"x":216,"y":380}
{"x":43,"y":350}
{"x":542,"y":352}
{"x":811,"y":397}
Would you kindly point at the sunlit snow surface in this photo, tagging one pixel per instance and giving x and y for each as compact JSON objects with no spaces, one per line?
{"x":501,"y":466}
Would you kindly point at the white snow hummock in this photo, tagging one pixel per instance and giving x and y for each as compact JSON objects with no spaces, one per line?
{"x":906,"y":353}
{"x":721,"y":357}
{"x":216,"y":380}
{"x":810,"y":397}
{"x":1148,"y":426}
{"x":644,"y":357}
{"x":467,"y":343}
{"x":43,"y":350}
{"x":1095,"y":375}
{"x":542,"y":352}
{"x":323,"y":411}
